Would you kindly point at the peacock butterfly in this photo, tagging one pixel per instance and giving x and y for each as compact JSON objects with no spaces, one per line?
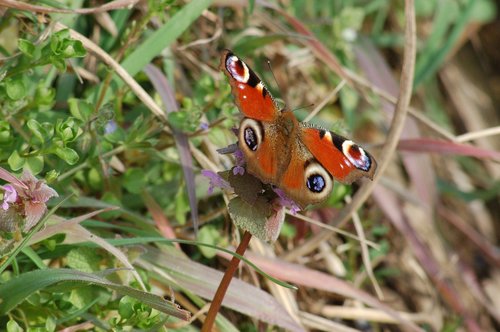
{"x":300,"y":159}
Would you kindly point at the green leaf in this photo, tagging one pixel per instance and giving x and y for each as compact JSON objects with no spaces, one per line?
{"x":126,"y":307}
{"x":111,"y":199}
{"x":187,"y":119}
{"x":35,"y":164}
{"x":26,"y":47}
{"x":68,"y":155}
{"x":164,"y":36}
{"x":80,"y":109}
{"x":36,"y":129}
{"x":68,"y":130}
{"x":83,"y":259}
{"x":5,"y":133}
{"x":51,"y":176}
{"x":79,"y":297}
{"x":211,"y":235}
{"x":15,"y":89}
{"x":258,"y":218}
{"x":12,"y":326}
{"x":72,"y":48}
{"x":58,"y":63}
{"x":484,"y":11}
{"x":15,"y":161}
{"x":134,"y":180}
{"x":50,"y":324}
{"x":44,"y":96}
{"x":16,"y":290}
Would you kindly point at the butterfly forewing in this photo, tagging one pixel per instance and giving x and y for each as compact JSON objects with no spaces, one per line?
{"x":344,"y":160}
{"x":251,"y":96}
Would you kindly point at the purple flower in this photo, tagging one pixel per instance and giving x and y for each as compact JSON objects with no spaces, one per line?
{"x":286,"y":202}
{"x":238,"y":170}
{"x":9,"y":196}
{"x":110,"y":127}
{"x":240,"y":161}
{"x":216,"y":181}
{"x":204,"y":126}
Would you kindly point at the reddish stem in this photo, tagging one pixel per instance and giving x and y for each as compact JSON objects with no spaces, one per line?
{"x":224,"y":284}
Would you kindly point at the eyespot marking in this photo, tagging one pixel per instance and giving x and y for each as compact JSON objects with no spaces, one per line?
{"x":316,"y":183}
{"x":237,"y":69}
{"x":317,"y":179}
{"x":356,"y":155}
{"x":250,"y":138}
{"x":251,"y":134}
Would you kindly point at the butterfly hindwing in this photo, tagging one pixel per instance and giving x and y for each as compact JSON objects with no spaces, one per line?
{"x":251,"y":96}
{"x":305,"y":180}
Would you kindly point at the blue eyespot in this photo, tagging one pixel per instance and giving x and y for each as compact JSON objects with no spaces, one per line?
{"x":316,"y":183}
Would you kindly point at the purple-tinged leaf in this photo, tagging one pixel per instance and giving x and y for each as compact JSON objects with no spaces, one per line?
{"x":167,"y":95}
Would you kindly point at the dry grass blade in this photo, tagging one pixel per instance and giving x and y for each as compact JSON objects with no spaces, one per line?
{"x":478,"y":134}
{"x":304,"y":276}
{"x":113,"y":5}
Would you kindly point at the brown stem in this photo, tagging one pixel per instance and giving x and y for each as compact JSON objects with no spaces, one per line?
{"x":224,"y":284}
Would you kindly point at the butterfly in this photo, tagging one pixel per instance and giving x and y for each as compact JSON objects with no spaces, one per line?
{"x":300,"y":159}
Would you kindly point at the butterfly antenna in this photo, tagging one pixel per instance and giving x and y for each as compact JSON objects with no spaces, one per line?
{"x":276,"y":81}
{"x":302,"y":107}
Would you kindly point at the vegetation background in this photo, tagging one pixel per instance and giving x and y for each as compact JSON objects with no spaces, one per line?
{"x":122,"y":104}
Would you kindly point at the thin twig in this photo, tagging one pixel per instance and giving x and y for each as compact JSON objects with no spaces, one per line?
{"x":478,"y":134}
{"x":365,"y":253}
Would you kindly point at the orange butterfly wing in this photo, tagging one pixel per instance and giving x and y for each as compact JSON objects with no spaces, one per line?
{"x":251,"y":96}
{"x":342,"y":158}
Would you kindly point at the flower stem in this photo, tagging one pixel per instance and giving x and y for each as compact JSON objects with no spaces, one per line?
{"x":224,"y":284}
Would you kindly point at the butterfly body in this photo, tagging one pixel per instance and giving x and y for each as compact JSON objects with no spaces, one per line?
{"x":300,"y":159}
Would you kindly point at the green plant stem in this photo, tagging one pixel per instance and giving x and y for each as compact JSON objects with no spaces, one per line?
{"x":224,"y":284}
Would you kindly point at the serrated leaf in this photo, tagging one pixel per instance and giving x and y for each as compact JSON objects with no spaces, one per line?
{"x":260,"y":218}
{"x":79,"y":297}
{"x":83,"y":259}
{"x":247,"y":186}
